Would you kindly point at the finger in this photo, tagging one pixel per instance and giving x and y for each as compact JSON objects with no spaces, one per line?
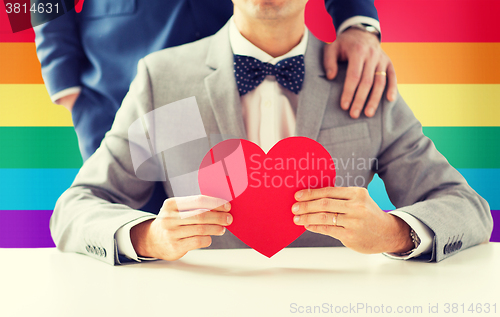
{"x":321,"y":218}
{"x":208,"y":218}
{"x":364,"y":87}
{"x":392,"y":83}
{"x":328,"y":192}
{"x":193,"y":243}
{"x":332,"y":231}
{"x":198,"y":230}
{"x":330,"y":60}
{"x":320,"y":205}
{"x":376,"y":93}
{"x":353,"y":76}
{"x":197,"y":202}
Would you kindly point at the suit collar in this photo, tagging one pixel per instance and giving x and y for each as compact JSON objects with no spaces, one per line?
{"x":315,"y":92}
{"x":221,"y":87}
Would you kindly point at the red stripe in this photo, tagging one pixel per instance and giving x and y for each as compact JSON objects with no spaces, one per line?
{"x":6,"y":34}
{"x":318,"y":21}
{"x":78,"y":5}
{"x":19,"y":37}
{"x":439,"y":20}
{"x":401,"y":21}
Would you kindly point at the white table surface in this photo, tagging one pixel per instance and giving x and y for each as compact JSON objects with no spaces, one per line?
{"x":46,"y":282}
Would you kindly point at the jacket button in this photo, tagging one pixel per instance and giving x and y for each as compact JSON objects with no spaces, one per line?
{"x":453,"y":247}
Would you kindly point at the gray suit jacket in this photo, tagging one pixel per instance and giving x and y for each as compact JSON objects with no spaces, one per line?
{"x":106,"y":193}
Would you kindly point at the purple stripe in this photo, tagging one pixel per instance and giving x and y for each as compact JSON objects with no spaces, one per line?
{"x":25,"y":229}
{"x":30,"y":228}
{"x":495,"y":236}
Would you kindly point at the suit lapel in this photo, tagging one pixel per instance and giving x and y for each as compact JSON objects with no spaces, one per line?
{"x":221,"y":87}
{"x":314,"y":95}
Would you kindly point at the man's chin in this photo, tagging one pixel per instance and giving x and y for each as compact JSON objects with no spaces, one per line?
{"x":273,"y":10}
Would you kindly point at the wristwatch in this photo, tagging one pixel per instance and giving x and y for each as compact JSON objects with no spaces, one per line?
{"x":416,"y":241}
{"x":367,"y":28}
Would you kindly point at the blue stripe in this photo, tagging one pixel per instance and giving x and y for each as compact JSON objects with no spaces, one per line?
{"x":377,"y":192}
{"x":483,"y":180}
{"x":33,"y":189}
{"x":38,"y":189}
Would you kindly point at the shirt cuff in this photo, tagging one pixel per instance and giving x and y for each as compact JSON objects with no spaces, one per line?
{"x":424,"y":233}
{"x":357,"y":20}
{"x":124,"y":244}
{"x":65,"y":92}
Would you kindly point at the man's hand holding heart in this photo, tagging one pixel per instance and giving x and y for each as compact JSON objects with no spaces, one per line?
{"x":360,"y":224}
{"x":183,"y":224}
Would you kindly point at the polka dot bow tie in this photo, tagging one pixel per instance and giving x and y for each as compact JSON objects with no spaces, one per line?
{"x":250,"y":72}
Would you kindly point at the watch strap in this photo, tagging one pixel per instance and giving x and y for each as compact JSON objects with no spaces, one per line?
{"x":367,"y":28}
{"x":416,"y":242}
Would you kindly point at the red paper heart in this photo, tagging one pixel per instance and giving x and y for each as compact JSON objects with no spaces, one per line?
{"x":261,"y":187}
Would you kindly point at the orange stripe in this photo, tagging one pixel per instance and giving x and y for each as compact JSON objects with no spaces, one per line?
{"x":415,"y":63}
{"x":19,"y":64}
{"x":445,"y":63}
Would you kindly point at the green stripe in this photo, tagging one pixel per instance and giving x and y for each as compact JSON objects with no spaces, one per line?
{"x":39,"y":147}
{"x":467,"y":147}
{"x":57,"y":147}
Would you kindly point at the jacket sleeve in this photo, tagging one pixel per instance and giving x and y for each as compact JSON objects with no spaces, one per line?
{"x":60,"y":52}
{"x":106,"y":192}
{"x":421,"y":182}
{"x":342,"y":10}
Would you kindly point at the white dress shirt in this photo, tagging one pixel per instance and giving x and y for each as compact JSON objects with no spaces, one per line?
{"x":269,"y":116}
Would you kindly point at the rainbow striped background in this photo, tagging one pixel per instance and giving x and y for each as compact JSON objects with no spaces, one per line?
{"x":447,"y":58}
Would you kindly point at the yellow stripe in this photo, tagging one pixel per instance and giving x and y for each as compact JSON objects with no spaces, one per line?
{"x":30,"y":105}
{"x":446,"y":105}
{"x":434,"y":105}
